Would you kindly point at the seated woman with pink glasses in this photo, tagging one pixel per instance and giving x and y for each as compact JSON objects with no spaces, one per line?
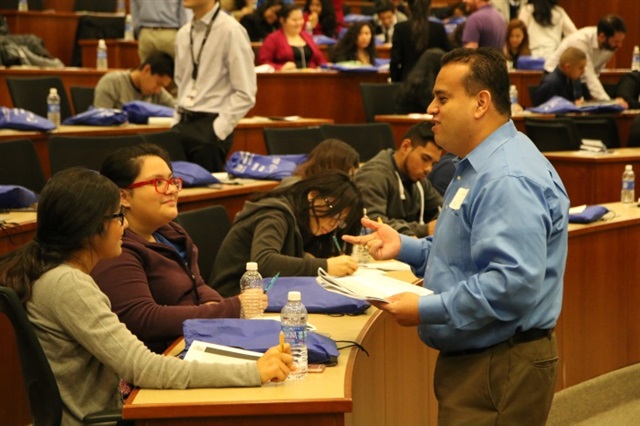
{"x":290,"y":47}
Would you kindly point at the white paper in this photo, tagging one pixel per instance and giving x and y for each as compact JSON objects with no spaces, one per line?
{"x":387,"y":265}
{"x":368,"y":284}
{"x":212,"y":353}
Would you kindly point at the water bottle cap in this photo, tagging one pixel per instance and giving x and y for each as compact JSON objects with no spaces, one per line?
{"x":53,"y":91}
{"x":252,"y":266}
{"x":628,"y":167}
{"x":294,"y":296}
{"x":101,"y":43}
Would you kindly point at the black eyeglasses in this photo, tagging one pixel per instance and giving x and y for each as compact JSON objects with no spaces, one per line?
{"x":162,"y":185}
{"x":119,"y":216}
{"x":336,"y":220}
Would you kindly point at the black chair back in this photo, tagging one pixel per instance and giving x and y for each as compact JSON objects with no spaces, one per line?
{"x":171,"y":141}
{"x":603,"y":128}
{"x":104,"y":6}
{"x":40,"y":384}
{"x":378,"y":98}
{"x":93,"y":27}
{"x":13,"y":4}
{"x":634,"y":134}
{"x":89,"y":152}
{"x":533,"y":89}
{"x":367,"y":139}
{"x":297,"y":140}
{"x":207,"y":227}
{"x":81,"y":98}
{"x":31,"y":94}
{"x":20,"y":165}
{"x":558,"y":134}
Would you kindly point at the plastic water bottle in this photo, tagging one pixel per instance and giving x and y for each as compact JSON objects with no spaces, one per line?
{"x":635,"y":59}
{"x":128,"y":28}
{"x":360,"y":252}
{"x":53,"y":106}
{"x":23,"y":6}
{"x":308,"y":28}
{"x":101,"y":59}
{"x":293,"y":318}
{"x":628,"y":185}
{"x":251,"y":287}
{"x":513,"y":97}
{"x":121,"y":7}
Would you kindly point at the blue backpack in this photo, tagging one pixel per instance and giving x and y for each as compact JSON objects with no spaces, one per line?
{"x":21,"y":119}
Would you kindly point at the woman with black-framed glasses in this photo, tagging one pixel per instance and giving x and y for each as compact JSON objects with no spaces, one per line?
{"x":276,"y":228}
{"x":88,"y":348}
{"x":156,"y":284}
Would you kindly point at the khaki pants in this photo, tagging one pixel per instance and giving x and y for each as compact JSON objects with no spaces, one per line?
{"x":503,"y":385}
{"x":156,"y":39}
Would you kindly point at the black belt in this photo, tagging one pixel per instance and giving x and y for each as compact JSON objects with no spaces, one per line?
{"x":160,"y":28}
{"x":520,"y":337}
{"x":187,"y":116}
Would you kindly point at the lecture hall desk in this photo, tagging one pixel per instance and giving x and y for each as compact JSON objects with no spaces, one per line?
{"x":325,"y":94}
{"x":248,"y":134}
{"x":597,"y":333}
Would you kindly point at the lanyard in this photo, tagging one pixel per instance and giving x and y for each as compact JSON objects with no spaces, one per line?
{"x":196,"y":61}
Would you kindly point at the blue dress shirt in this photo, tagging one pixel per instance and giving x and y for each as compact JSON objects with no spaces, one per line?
{"x":497,"y":259}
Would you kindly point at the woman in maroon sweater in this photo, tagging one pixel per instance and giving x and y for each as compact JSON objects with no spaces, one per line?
{"x":155,"y":284}
{"x":289,"y":47}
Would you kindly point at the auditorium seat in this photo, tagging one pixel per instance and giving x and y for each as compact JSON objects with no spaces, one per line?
{"x":31,"y":94}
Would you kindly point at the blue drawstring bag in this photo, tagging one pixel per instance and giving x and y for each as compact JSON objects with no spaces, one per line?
{"x":16,"y":197}
{"x":138,"y":112}
{"x":321,"y":39}
{"x":560,"y":105}
{"x":254,"y":335}
{"x":245,"y":164}
{"x":21,"y":119}
{"x":316,"y":298}
{"x":98,"y":117}
{"x":192,"y":174}
{"x":589,"y":214}
{"x":530,"y":63}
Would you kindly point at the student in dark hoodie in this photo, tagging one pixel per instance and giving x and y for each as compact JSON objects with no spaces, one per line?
{"x":275,"y":229}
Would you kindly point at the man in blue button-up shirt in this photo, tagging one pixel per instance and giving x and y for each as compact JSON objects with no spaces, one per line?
{"x":496,"y":261}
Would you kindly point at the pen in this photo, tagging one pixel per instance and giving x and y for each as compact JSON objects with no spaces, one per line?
{"x":281,"y":341}
{"x":272,"y":282}
{"x":335,"y":241}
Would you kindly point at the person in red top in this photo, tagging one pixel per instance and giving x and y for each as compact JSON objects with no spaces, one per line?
{"x":290,"y":47}
{"x":320,"y":18}
{"x":155,"y":284}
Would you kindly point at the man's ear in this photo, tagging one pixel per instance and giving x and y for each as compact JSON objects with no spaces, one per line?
{"x":483,"y":100}
{"x":405,"y":145}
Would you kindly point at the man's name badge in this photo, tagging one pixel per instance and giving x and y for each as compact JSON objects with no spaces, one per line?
{"x":191,"y":98}
{"x":458,"y":198}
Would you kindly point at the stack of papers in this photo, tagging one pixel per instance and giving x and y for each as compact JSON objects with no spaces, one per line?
{"x":593,"y":145}
{"x":367,"y":284}
{"x":212,"y":353}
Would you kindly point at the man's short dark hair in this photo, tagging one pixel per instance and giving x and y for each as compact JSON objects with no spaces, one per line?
{"x":161,"y":64}
{"x":487,"y":71}
{"x":421,"y":134}
{"x":384,"y":6}
{"x":610,"y":25}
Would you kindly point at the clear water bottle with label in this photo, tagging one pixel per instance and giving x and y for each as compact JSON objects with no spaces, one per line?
{"x":513,"y":97}
{"x":293,"y":318}
{"x":360,"y":252}
{"x":628,"y":185}
{"x":635,"y":59}
{"x":121,"y":7}
{"x":128,"y":28}
{"x":23,"y":6}
{"x":53,"y":107}
{"x":101,"y":59}
{"x":251,"y":286}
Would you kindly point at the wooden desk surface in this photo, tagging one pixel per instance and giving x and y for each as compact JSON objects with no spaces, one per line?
{"x":593,"y":178}
{"x":248,"y":135}
{"x":355,"y":385}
